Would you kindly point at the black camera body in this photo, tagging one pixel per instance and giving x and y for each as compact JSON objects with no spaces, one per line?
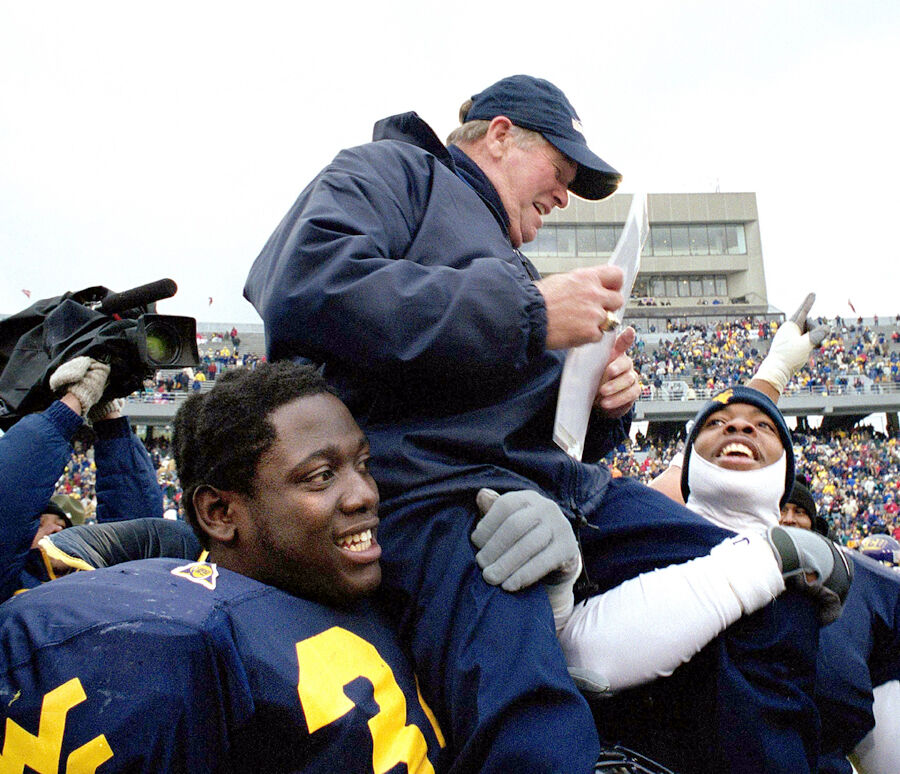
{"x":115,"y":328}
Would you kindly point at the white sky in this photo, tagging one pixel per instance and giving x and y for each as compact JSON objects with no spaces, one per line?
{"x":167,"y":139}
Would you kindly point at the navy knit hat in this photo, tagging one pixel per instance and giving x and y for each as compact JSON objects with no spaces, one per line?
{"x":753,"y":398}
{"x":536,"y":104}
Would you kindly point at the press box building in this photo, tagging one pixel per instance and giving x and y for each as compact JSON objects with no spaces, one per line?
{"x":702,"y":262}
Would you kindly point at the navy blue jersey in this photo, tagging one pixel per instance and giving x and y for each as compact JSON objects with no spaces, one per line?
{"x":162,"y":665}
{"x":858,"y":652}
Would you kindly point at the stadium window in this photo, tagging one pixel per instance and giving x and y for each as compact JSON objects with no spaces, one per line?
{"x":709,"y":286}
{"x":657,"y":287}
{"x":641,"y":287}
{"x":606,"y":239}
{"x":721,"y":285}
{"x":699,"y":240}
{"x":565,"y":241}
{"x":684,"y":288}
{"x":586,"y":240}
{"x":696,"y":286}
{"x":680,"y":245}
{"x":672,"y":288}
{"x":545,"y":244}
{"x":734,"y":239}
{"x":716,"y":239}
{"x":662,"y":240}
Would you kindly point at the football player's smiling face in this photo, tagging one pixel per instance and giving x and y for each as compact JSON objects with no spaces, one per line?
{"x":310,"y":525}
{"x":739,"y":436}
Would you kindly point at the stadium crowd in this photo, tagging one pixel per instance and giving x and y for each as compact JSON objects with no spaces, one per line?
{"x":854,"y":357}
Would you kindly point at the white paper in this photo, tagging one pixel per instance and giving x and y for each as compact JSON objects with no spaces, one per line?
{"x":585,"y":365}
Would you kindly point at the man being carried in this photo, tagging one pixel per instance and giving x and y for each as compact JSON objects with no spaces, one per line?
{"x":398,"y":269}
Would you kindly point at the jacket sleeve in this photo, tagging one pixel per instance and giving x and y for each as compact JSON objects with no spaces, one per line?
{"x":126,"y":480}
{"x":337,"y":282}
{"x":604,"y":435}
{"x":103,"y":545}
{"x":33,"y":454}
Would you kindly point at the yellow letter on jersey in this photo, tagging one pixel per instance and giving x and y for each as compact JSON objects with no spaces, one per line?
{"x":336,"y":657}
{"x":41,"y":753}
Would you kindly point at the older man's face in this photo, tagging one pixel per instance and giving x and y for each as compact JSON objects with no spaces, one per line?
{"x":739,"y":436}
{"x":532,"y":180}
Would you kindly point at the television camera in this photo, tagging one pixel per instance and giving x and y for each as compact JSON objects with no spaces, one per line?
{"x":116,"y":328}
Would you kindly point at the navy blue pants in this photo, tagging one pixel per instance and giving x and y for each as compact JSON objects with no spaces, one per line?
{"x":490,"y":664}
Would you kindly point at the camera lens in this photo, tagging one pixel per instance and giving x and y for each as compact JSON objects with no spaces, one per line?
{"x":163,"y":344}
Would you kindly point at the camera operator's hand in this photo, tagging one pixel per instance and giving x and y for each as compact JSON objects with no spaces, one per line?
{"x":108,"y":409}
{"x":82,"y":377}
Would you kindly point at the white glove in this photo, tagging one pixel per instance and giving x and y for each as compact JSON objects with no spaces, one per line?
{"x":791,"y":347}
{"x":523,"y":538}
{"x":84,"y":377}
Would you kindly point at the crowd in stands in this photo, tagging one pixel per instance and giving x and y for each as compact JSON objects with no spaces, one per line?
{"x":214,"y":360}
{"x":854,"y":358}
{"x":79,"y":477}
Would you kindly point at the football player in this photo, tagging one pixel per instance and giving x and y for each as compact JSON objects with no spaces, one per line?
{"x":268,"y":657}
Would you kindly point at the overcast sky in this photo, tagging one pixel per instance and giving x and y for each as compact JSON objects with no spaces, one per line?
{"x":167,"y":139}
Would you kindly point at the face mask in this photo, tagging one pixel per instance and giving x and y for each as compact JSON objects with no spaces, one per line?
{"x":736,"y":499}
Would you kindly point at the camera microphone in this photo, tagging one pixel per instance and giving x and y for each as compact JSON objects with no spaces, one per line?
{"x":136,"y":297}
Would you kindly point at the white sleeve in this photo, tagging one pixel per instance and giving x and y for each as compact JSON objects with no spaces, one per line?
{"x":879,"y":751}
{"x":648,"y":626}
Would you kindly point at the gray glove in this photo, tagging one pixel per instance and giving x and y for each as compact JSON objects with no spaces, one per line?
{"x":523,"y":538}
{"x":801,"y":553}
{"x":84,"y":377}
{"x":791,"y":347}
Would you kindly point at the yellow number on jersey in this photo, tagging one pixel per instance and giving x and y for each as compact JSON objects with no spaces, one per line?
{"x":336,"y":657}
{"x":41,"y":753}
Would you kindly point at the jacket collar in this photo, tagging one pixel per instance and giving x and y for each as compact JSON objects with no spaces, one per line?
{"x":469,"y":172}
{"x":410,"y":128}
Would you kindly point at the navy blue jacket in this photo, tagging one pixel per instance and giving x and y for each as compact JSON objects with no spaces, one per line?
{"x":394,"y":268}
{"x":858,"y":652}
{"x":165,"y":666}
{"x":33,"y":454}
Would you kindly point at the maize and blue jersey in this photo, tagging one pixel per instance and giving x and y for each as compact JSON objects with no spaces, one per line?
{"x":162,"y":665}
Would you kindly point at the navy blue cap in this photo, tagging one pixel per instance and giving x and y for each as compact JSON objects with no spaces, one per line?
{"x":536,"y":104}
{"x":764,"y":404}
